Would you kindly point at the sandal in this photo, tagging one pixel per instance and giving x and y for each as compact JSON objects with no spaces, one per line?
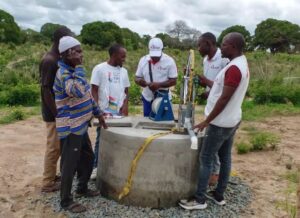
{"x":51,"y":188}
{"x":75,"y":208}
{"x":88,"y":194}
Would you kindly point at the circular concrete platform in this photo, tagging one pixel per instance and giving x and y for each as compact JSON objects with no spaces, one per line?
{"x":166,"y":172}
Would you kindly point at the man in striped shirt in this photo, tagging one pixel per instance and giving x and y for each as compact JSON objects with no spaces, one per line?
{"x":75,"y":108}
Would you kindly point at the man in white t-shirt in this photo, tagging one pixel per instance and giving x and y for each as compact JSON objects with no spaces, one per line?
{"x":223,"y":115}
{"x":156,"y":71}
{"x":213,"y":63}
{"x":110,"y":84}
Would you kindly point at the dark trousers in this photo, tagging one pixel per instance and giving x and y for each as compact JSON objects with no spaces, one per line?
{"x":76,"y":156}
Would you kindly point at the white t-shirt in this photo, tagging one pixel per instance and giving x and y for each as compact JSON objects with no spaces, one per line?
{"x":163,"y":70}
{"x":212,"y":67}
{"x":112,"y":82}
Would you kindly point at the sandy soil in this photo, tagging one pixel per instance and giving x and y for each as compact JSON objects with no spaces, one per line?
{"x":21,"y":164}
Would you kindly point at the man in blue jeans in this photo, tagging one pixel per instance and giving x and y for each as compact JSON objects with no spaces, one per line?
{"x":223,"y":115}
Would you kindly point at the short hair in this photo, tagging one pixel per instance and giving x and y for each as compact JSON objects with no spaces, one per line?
{"x":210,"y":37}
{"x":61,"y":32}
{"x":237,"y":39}
{"x":114,"y":49}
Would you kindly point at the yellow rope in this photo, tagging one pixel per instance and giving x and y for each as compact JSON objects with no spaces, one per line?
{"x":127,"y":186}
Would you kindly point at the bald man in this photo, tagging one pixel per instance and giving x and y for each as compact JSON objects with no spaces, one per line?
{"x":222,"y":117}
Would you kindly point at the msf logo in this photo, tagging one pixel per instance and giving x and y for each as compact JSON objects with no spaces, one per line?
{"x":153,"y":47}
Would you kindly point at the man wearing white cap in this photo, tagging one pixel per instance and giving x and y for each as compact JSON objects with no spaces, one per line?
{"x":156,"y":71}
{"x":75,"y":108}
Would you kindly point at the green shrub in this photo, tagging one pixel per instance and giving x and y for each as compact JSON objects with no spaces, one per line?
{"x":21,"y":95}
{"x":263,"y":140}
{"x":14,"y":115}
{"x":243,"y":148}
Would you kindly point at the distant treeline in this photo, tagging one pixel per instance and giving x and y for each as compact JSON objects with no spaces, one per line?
{"x":272,"y":34}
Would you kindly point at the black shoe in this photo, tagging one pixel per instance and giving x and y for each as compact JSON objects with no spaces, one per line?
{"x":217,"y":198}
{"x":192,"y":204}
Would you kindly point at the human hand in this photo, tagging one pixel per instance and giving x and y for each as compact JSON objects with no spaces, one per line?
{"x":200,"y":126}
{"x":203,"y":81}
{"x":154,"y":86}
{"x":102,"y":122}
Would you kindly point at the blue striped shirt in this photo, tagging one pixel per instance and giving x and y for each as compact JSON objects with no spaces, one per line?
{"x":74,"y":102}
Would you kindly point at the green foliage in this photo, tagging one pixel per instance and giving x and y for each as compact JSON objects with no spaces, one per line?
{"x":277,"y":35}
{"x":9,"y":29}
{"x":14,"y":115}
{"x":239,"y":29}
{"x":243,"y":147}
{"x":48,"y":30}
{"x":20,"y":95}
{"x":102,"y":34}
{"x":32,"y":36}
{"x":263,"y":140}
{"x":130,"y":39}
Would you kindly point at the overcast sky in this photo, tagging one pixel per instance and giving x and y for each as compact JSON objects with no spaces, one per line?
{"x":152,"y":16}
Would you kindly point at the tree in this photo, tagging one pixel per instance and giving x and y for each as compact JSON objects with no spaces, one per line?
{"x":240,"y":29}
{"x":276,"y":35}
{"x":32,"y":36}
{"x":48,"y":30}
{"x":186,"y":36}
{"x":130,"y":39}
{"x":101,"y":33}
{"x":9,"y":29}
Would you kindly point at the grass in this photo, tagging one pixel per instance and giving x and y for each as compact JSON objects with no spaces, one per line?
{"x":256,"y":112}
{"x":289,"y":203}
{"x":13,"y":114}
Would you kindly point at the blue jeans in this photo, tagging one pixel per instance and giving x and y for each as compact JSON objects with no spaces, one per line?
{"x":218,"y":140}
{"x":146,"y":107}
{"x":96,"y":150}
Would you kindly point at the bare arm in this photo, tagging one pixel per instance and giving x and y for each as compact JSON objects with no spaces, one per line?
{"x":166,"y":84}
{"x":140,"y":81}
{"x":95,"y":93}
{"x":124,"y":108}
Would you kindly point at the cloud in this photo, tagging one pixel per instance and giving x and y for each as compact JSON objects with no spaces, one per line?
{"x":151,"y":16}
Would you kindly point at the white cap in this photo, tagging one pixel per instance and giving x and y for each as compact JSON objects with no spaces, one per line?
{"x":66,"y":43}
{"x":155,"y":47}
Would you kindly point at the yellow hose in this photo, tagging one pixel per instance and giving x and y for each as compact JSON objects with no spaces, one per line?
{"x":127,"y":186}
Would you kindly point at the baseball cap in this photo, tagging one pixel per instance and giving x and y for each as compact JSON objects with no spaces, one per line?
{"x":155,"y":47}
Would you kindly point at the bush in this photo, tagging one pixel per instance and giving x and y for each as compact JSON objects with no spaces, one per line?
{"x":263,"y":140}
{"x":15,"y":114}
{"x":243,"y":148}
{"x":20,"y":95}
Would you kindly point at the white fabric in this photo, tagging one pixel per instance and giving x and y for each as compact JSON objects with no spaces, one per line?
{"x":66,"y":43}
{"x":232,"y":113}
{"x":163,"y":70}
{"x":112,"y":82}
{"x":211,"y":67}
{"x":155,"y":47}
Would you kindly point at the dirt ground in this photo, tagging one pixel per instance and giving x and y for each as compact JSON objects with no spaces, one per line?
{"x":21,"y":164}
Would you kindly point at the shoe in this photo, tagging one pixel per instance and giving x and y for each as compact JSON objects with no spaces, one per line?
{"x":193,"y":204}
{"x":94,"y":174}
{"x":75,"y":208}
{"x":215,"y":197}
{"x":88,"y":193}
{"x":51,"y":188}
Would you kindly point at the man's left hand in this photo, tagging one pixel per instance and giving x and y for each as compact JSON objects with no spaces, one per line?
{"x":200,"y":126}
{"x":154,"y":86}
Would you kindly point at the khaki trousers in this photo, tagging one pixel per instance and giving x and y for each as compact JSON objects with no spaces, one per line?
{"x":52,"y":154}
